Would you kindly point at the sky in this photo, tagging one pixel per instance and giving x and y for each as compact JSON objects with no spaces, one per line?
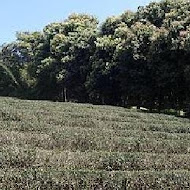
{"x":33,"y":15}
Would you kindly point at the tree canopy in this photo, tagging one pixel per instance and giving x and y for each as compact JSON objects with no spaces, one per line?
{"x":137,"y":58}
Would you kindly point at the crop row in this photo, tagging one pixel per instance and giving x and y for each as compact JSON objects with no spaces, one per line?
{"x":49,"y":178}
{"x":23,"y":109}
{"x":108,"y":132}
{"x":44,"y":124}
{"x":86,"y":142}
{"x":19,"y":157}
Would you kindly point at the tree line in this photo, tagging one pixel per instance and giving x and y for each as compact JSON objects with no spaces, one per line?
{"x":138,"y":58}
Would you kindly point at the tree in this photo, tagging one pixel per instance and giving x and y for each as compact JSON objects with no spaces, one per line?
{"x":72,"y":48}
{"x":102,"y":83}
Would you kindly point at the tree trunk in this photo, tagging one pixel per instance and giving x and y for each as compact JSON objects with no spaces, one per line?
{"x":65,"y":94}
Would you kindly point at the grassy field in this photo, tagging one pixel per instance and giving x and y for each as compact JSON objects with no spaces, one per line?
{"x":51,"y":145}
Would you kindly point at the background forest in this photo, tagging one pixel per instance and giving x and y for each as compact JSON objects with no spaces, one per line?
{"x":138,"y":58}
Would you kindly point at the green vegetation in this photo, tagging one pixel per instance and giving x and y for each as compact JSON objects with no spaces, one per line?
{"x":51,"y":145}
{"x":138,"y":59}
{"x":135,"y":59}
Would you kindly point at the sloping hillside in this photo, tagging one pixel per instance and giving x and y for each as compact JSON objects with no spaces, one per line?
{"x":51,"y":145}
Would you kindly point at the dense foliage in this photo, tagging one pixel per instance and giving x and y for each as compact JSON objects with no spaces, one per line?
{"x":138,"y":58}
{"x":51,"y":145}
